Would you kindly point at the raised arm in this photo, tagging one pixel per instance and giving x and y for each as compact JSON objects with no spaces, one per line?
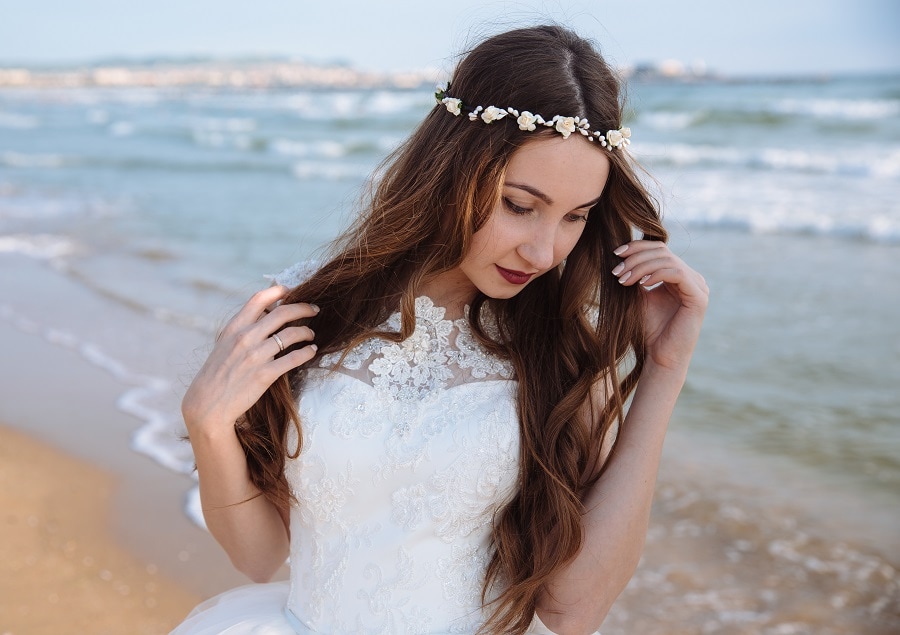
{"x":241,"y":366}
{"x":618,"y":506}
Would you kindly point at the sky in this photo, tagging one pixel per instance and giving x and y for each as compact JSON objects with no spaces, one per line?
{"x":761,"y":37}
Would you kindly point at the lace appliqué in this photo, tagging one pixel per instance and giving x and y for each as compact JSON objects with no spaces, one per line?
{"x":422,"y":364}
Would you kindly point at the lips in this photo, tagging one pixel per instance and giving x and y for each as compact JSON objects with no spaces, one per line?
{"x":514,"y":277}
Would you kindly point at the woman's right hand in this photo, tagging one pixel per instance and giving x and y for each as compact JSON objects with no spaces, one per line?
{"x":243,"y":364}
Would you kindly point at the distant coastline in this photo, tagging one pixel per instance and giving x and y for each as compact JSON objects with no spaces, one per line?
{"x":274,"y":73}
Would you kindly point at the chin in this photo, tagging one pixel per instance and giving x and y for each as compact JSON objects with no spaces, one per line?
{"x":501,"y":293}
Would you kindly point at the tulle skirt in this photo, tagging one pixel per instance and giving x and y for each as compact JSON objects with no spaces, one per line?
{"x":260,"y":609}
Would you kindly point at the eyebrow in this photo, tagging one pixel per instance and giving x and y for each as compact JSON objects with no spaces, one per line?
{"x":549,"y":201}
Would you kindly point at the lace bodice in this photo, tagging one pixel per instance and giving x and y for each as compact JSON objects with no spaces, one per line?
{"x":409,"y":449}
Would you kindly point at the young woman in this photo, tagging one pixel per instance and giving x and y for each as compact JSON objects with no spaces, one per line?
{"x":432,"y":424}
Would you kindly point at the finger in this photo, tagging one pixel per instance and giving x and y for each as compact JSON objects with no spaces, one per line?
{"x":292,"y":360}
{"x":286,"y":338}
{"x":283,"y":314}
{"x":684,"y":281}
{"x":642,"y":252}
{"x":637,"y":267}
{"x":637,"y":246}
{"x":255,"y":307}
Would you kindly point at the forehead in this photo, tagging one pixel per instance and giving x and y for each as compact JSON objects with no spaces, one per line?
{"x":564,"y":169}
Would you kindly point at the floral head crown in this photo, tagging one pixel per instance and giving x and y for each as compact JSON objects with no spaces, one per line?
{"x":611,"y":140}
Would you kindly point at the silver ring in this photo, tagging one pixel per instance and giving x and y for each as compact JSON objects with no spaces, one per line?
{"x":278,"y":341}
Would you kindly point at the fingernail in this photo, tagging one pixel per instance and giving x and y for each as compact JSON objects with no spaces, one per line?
{"x":618,"y":269}
{"x":314,"y":347}
{"x":624,"y":278}
{"x":645,"y":278}
{"x":620,"y":250}
{"x":314,"y":307}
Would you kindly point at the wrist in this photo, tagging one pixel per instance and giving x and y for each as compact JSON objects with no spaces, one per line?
{"x":210,"y":431}
{"x":663,"y":375}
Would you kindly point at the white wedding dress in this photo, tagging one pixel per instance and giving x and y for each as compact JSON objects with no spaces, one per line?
{"x":409,"y":450}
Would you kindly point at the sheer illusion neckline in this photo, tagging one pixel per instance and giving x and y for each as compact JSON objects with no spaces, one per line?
{"x":440,"y":353}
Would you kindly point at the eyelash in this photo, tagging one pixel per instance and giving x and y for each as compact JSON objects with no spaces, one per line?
{"x":515,"y":209}
{"x":521,"y":211}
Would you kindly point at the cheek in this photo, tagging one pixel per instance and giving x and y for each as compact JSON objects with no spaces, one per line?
{"x":487,"y":240}
{"x":566,"y":243}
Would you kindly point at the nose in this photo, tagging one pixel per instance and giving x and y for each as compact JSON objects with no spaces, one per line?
{"x":537,"y":249}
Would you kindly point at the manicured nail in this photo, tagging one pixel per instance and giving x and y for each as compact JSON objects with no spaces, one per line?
{"x":624,"y":278}
{"x":620,"y":250}
{"x":314,"y":307}
{"x":314,"y":347}
{"x":645,"y":278}
{"x":618,"y":269}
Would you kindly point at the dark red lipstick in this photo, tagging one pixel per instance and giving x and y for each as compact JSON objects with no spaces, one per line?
{"x":514,"y":277}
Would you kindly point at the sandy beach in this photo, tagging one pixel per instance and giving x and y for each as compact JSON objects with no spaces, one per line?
{"x":61,"y":568}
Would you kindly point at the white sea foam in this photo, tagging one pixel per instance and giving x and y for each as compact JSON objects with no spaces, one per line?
{"x":122,"y":129}
{"x":218,"y":139}
{"x":786,"y":205}
{"x":669,"y":120}
{"x":882,"y":163}
{"x":306,"y":170}
{"x":23,"y":160}
{"x":355,"y":104}
{"x":323,"y":148}
{"x":225,"y":124}
{"x":97,"y":117}
{"x":860,"y":109}
{"x":159,"y":434}
{"x":39,"y":246}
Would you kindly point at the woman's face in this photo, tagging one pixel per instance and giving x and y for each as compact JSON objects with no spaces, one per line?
{"x":550,"y":186}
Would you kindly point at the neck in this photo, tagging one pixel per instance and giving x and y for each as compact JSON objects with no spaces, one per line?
{"x":452,"y":290}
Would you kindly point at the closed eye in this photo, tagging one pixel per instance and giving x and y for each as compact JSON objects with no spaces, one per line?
{"x":575,"y":218}
{"x":515,"y":209}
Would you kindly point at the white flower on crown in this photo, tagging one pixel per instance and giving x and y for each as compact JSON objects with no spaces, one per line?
{"x":492,"y":113}
{"x":618,"y":138}
{"x":453,"y":105}
{"x":527,"y":121}
{"x":565,"y":126}
{"x":614,"y":137}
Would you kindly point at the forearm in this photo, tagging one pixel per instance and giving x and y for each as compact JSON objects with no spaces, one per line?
{"x":617,"y":512}
{"x":248,"y":526}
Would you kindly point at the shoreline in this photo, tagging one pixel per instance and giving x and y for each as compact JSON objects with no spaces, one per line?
{"x":54,"y":395}
{"x":61,"y":569}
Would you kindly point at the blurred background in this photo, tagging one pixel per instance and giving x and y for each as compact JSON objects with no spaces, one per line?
{"x":157,"y":159}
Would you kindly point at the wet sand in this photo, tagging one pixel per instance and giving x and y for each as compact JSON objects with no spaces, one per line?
{"x":61,"y":569}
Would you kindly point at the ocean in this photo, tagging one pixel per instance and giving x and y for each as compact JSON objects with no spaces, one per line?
{"x":778,"y":508}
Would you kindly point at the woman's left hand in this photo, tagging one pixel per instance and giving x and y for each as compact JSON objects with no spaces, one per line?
{"x":675,"y":297}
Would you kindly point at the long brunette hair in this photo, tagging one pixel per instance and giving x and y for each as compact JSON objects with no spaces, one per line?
{"x":434,"y":192}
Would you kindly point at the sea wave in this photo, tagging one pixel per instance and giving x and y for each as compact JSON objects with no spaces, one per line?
{"x":137,"y":163}
{"x":787,"y":204}
{"x":781,"y":113}
{"x":880,"y":164}
{"x":159,"y":436}
{"x":854,"y":109}
{"x":22,"y":206}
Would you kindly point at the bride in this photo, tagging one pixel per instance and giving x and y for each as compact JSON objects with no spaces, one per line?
{"x":432,"y":424}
